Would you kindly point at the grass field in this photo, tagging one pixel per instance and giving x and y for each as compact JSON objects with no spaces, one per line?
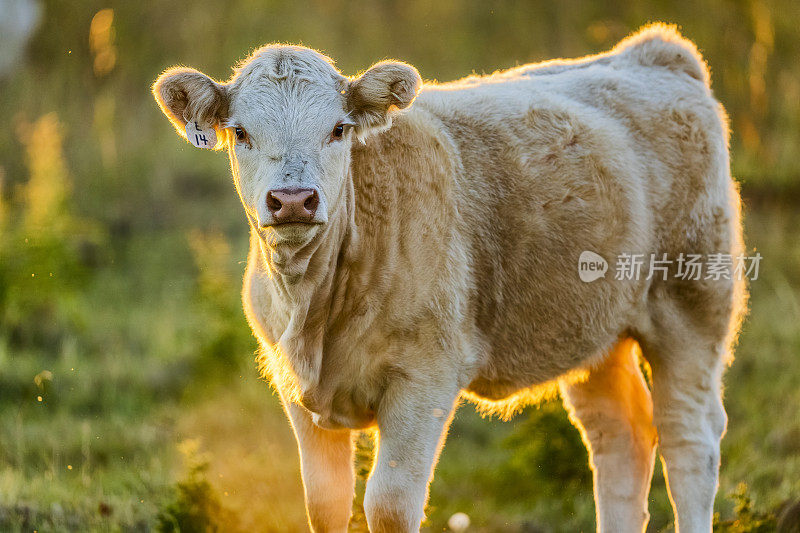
{"x":129,"y":397}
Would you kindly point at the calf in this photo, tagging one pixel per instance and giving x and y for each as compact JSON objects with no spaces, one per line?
{"x":402,"y":257}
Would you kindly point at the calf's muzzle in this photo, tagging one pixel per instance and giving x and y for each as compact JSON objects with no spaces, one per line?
{"x":292,"y":205}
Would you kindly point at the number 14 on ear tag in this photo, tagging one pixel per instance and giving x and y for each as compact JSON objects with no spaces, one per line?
{"x":201,"y":138}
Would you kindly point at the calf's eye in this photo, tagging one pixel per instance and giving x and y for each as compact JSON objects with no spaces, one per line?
{"x":241,"y":135}
{"x":338,"y":132}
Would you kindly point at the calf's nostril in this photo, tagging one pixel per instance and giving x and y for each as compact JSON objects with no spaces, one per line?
{"x":312,"y":202}
{"x":273,"y":204}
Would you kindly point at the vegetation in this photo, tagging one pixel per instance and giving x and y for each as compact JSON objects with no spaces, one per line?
{"x":195,"y":505}
{"x":129,"y":398}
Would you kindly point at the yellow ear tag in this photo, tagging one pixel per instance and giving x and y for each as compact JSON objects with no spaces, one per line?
{"x":201,"y":138}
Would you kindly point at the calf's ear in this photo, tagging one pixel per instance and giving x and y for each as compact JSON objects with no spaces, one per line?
{"x":186,"y":95}
{"x":381,"y":90}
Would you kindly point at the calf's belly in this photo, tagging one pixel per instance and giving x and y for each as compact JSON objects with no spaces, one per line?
{"x":544,"y":327}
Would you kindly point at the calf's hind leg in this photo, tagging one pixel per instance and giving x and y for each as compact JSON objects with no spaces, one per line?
{"x":690,"y":419}
{"x":614,"y":413}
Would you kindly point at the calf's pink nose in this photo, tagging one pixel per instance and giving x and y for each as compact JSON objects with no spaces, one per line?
{"x":292,"y":205}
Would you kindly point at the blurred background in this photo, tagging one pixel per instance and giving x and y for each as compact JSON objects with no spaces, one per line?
{"x":129,"y":397}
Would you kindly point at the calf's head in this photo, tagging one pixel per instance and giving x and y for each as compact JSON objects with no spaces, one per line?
{"x":288,"y":119}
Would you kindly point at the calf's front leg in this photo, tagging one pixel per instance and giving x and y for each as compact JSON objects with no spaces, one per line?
{"x":326,"y":464}
{"x":412,"y":421}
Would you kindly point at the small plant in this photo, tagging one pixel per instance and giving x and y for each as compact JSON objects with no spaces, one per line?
{"x":195,"y":507}
{"x":746,"y":519}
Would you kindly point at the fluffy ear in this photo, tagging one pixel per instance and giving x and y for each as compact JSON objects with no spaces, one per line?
{"x":385,"y":87}
{"x":187,"y":95}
